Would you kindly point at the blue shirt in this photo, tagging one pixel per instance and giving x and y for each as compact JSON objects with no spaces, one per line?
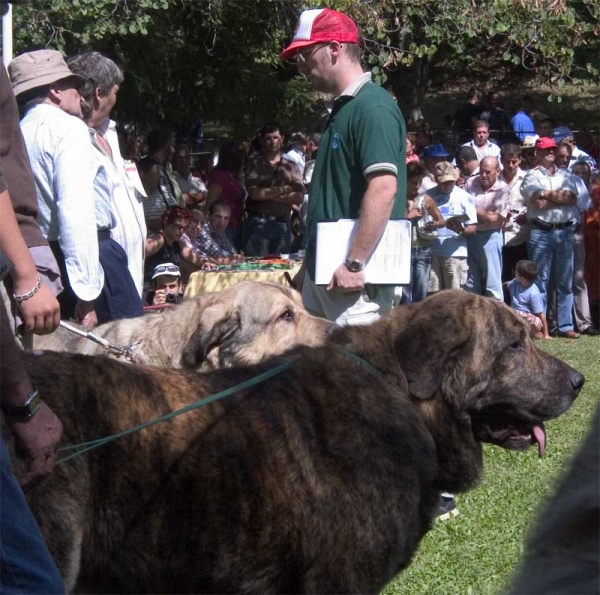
{"x":522,"y":125}
{"x":525,"y":299}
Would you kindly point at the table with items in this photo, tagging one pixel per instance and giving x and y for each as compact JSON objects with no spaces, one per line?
{"x":276,"y":270}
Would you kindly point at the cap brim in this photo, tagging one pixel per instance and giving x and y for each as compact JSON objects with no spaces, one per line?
{"x":290,"y":50}
{"x":446,"y":179}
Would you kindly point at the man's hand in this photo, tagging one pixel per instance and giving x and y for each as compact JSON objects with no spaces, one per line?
{"x":41,"y":312}
{"x":85,"y":314}
{"x":36,"y":440}
{"x":455,"y":226}
{"x":160,"y":297}
{"x":345,"y":281}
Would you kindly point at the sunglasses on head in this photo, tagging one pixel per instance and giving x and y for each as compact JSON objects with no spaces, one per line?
{"x":166,"y":269}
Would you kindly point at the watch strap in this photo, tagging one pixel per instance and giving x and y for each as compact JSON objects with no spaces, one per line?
{"x":26,"y":410}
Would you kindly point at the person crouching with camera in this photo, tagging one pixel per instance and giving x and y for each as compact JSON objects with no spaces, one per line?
{"x":166,"y":285}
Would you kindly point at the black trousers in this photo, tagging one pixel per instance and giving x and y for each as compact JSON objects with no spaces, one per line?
{"x":119,"y":297}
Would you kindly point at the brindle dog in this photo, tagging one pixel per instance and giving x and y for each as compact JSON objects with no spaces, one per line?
{"x":322,"y":479}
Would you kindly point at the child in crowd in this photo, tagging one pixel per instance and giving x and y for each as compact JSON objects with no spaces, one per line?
{"x":526,"y":299}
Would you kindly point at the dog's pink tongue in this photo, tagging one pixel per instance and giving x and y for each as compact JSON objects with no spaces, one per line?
{"x":540,"y":437}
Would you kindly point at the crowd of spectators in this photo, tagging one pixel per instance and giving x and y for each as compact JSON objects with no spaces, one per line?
{"x":515,"y":190}
{"x":476,"y":211}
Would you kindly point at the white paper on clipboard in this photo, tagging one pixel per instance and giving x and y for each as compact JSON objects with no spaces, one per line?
{"x":389,"y":264}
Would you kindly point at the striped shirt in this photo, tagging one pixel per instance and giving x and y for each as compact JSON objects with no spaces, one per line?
{"x":64,"y":168}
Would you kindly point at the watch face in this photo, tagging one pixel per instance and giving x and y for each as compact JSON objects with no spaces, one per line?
{"x":354,"y":266}
{"x":34,"y":403}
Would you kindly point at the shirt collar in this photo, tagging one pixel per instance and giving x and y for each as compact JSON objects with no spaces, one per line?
{"x":356,"y":85}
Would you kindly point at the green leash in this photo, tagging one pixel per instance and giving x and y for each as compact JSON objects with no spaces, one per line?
{"x":92,"y":444}
{"x":85,"y":446}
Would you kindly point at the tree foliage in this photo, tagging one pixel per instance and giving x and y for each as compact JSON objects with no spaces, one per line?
{"x":219,"y":58}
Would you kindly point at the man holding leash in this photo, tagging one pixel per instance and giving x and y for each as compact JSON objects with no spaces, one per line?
{"x":359,"y":171}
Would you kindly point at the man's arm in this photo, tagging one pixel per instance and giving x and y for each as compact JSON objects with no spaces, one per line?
{"x":75,"y":206}
{"x":40,"y":312}
{"x":376,"y":208}
{"x":36,"y":437}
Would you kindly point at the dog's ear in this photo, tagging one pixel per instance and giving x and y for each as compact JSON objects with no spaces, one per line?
{"x":217,"y":325}
{"x":425,"y":341}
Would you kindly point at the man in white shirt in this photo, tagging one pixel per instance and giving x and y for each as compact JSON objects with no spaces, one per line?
{"x":61,"y":155}
{"x":127,"y":190}
{"x":120,"y":298}
{"x":481,"y":143}
{"x":552,"y":196}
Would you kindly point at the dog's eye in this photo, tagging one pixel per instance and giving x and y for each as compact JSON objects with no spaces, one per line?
{"x":288,"y":316}
{"x":516,"y":346}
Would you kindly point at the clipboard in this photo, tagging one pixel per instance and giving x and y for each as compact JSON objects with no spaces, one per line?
{"x":389,"y":264}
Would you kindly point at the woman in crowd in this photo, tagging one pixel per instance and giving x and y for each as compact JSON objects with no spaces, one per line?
{"x":225,"y":184}
{"x":167,"y":246}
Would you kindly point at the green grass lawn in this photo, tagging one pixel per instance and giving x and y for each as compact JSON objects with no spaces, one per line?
{"x":479,"y":551}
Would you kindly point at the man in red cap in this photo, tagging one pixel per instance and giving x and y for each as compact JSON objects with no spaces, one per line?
{"x":552,"y":196}
{"x":360,"y":167}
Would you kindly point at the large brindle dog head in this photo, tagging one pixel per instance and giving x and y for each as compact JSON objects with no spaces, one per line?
{"x":470,"y":366}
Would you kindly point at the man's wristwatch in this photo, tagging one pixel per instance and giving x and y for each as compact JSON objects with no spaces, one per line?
{"x":25,"y":411}
{"x":354,"y":266}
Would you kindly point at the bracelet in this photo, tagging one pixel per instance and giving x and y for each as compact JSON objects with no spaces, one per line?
{"x":29,"y":294}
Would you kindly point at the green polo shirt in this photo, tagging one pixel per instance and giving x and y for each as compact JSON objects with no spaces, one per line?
{"x":365,"y":133}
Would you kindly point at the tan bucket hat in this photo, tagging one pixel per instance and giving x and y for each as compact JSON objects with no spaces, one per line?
{"x":36,"y":69}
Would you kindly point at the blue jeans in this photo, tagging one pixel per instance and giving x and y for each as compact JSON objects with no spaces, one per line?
{"x":25,"y":563}
{"x":277,"y":235}
{"x":548,"y":247}
{"x":484,"y":258}
{"x":420,"y":260}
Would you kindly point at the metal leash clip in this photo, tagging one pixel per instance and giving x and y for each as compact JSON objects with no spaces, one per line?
{"x":125,"y":352}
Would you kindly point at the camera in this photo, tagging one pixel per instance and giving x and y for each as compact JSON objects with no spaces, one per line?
{"x":171,"y":298}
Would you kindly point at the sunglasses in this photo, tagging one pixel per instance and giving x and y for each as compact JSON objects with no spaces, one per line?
{"x":165,"y":269}
{"x":302,"y":57}
{"x":179,"y":227}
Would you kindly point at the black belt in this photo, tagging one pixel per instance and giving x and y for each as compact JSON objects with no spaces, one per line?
{"x":549,"y":226}
{"x":104,"y":234}
{"x":268,"y":217}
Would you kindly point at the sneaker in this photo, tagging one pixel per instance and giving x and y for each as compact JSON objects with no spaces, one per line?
{"x":446,"y":508}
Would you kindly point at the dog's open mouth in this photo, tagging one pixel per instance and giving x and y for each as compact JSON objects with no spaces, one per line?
{"x":513,"y":435}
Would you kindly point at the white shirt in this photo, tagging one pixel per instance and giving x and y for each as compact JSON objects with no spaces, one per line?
{"x":515,"y":234}
{"x":130,"y":230}
{"x":540,"y":178}
{"x":297,"y":157}
{"x":62,"y":160}
{"x":104,"y":186}
{"x":488,"y":150}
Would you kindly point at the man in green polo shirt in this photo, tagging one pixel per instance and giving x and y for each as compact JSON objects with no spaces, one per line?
{"x":360,"y":168}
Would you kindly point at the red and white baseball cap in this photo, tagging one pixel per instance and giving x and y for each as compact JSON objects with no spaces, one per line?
{"x":320,"y":25}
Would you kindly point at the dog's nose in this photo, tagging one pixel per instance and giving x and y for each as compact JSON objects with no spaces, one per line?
{"x":577,"y":380}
